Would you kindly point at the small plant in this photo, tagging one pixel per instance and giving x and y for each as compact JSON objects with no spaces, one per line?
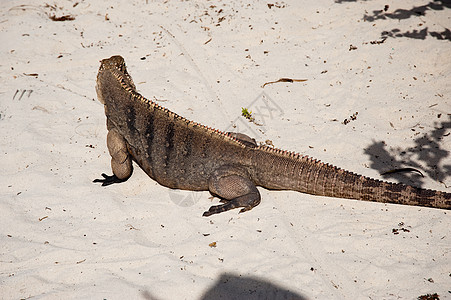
{"x":247,"y":114}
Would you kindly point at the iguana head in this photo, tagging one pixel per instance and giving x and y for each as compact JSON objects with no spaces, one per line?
{"x":114,"y":62}
{"x":116,"y":65}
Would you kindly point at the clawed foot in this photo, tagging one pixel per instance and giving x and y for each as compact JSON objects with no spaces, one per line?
{"x":107,"y":179}
{"x":247,"y":202}
{"x":222,"y":208}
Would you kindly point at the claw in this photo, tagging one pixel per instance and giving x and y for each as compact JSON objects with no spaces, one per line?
{"x":216,"y":209}
{"x":207,"y":214}
{"x":107,"y":179}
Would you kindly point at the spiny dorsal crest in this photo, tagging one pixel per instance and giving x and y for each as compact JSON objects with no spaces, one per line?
{"x":116,"y":65}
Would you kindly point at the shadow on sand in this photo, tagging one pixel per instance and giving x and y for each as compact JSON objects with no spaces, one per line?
{"x":230,"y":286}
{"x":402,"y":14}
{"x":427,"y":150}
{"x":237,"y":287}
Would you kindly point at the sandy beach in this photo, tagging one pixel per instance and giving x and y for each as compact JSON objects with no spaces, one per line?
{"x":377,"y":97}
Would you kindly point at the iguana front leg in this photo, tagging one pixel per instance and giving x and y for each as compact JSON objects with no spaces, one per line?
{"x":121,"y":161}
{"x":235,"y":189}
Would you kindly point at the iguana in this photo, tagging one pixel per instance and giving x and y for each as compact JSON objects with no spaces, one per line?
{"x":182,"y":154}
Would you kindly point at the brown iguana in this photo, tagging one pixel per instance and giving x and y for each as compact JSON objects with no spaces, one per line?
{"x":183,"y":154}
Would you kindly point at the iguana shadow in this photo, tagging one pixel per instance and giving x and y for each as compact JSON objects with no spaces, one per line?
{"x":427,"y":156}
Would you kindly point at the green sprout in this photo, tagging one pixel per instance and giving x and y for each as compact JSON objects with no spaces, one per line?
{"x":247,"y":114}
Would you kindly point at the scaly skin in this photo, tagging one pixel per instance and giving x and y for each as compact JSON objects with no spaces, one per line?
{"x":183,"y":154}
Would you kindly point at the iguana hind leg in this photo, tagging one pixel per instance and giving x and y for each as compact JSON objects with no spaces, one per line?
{"x":121,"y":162}
{"x":233,"y":186}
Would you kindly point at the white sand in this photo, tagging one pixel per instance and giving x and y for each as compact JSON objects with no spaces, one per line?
{"x":64,"y":237}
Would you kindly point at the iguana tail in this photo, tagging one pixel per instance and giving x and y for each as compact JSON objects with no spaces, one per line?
{"x":283,"y":170}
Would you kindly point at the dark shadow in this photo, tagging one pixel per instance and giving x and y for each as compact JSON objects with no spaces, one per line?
{"x":148,"y":296}
{"x":402,"y":14}
{"x":230,"y":286}
{"x":418,"y":34}
{"x":427,"y":150}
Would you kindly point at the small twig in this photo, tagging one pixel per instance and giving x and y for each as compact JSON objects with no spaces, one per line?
{"x":131,"y":227}
{"x":62,"y":18}
{"x":403,"y":170}
{"x":248,"y":115}
{"x":284,"y":80}
{"x":31,"y":74}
